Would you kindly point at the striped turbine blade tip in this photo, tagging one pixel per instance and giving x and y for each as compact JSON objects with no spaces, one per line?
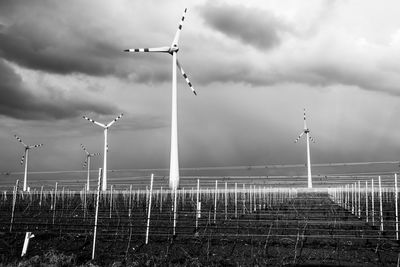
{"x":138,"y":50}
{"x":87,"y":118}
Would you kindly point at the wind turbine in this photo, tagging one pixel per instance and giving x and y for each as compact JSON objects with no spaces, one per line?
{"x":172,"y":50}
{"x":308,"y":138}
{"x":105,"y":127}
{"x":87,"y":163}
{"x":25,"y":158}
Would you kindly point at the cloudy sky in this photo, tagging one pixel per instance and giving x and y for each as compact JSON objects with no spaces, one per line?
{"x":255,"y":65}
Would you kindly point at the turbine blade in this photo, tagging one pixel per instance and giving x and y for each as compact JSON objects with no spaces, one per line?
{"x":22,"y":159}
{"x":186,"y":77}
{"x":34,"y":146}
{"x":312,"y":139}
{"x":117,"y":118}
{"x":298,"y":138}
{"x":84,"y":164}
{"x":20,"y":140}
{"x":84,"y":149}
{"x":163,"y":49}
{"x":95,"y":122}
{"x":305,"y":121}
{"x":94,"y":154}
{"x":178,"y":32}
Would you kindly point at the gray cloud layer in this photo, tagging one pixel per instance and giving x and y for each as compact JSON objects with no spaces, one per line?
{"x":17,"y":101}
{"x":50,"y":41}
{"x":252,"y":26}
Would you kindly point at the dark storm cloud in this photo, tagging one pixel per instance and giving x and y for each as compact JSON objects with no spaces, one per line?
{"x":58,"y":37}
{"x":41,"y":35}
{"x":17,"y":101}
{"x":258,"y":28}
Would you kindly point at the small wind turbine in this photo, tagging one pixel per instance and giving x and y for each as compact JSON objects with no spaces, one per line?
{"x":105,"y":127}
{"x":172,"y":50}
{"x":87,"y":163}
{"x":25,"y":158}
{"x":308,"y":138}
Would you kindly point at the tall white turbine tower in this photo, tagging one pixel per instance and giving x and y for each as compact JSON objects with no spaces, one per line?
{"x":105,"y":127}
{"x":308,"y":138}
{"x":172,"y":50}
{"x":87,"y":163}
{"x":25,"y":158}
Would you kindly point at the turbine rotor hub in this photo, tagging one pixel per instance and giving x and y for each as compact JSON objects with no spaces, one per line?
{"x":173,"y":48}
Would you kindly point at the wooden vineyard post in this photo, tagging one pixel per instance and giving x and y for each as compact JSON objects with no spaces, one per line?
{"x":359,"y":199}
{"x":345,"y":196}
{"x":226,"y":201}
{"x":348,"y":197}
{"x":372,"y":202}
{"x":183,"y":197}
{"x":28,"y":236}
{"x":97,"y":212}
{"x":352,"y":199}
{"x":175,"y":192}
{"x":244,"y":199}
{"x":355,"y":199}
{"x":264,"y":199}
{"x":149,"y":209}
{"x":396,"y":205}
{"x":250,"y":200}
{"x":147,"y":196}
{"x":14,"y":201}
{"x":366,"y":201}
{"x":236,"y":207}
{"x":111,"y":199}
{"x":130,"y":202}
{"x":41,"y":196}
{"x":161,"y":199}
{"x":254,"y":192}
{"x":380,"y":203}
{"x":84,"y":190}
{"x":62,"y":198}
{"x":215,"y":201}
{"x":197,"y":205}
{"x":55,"y":202}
